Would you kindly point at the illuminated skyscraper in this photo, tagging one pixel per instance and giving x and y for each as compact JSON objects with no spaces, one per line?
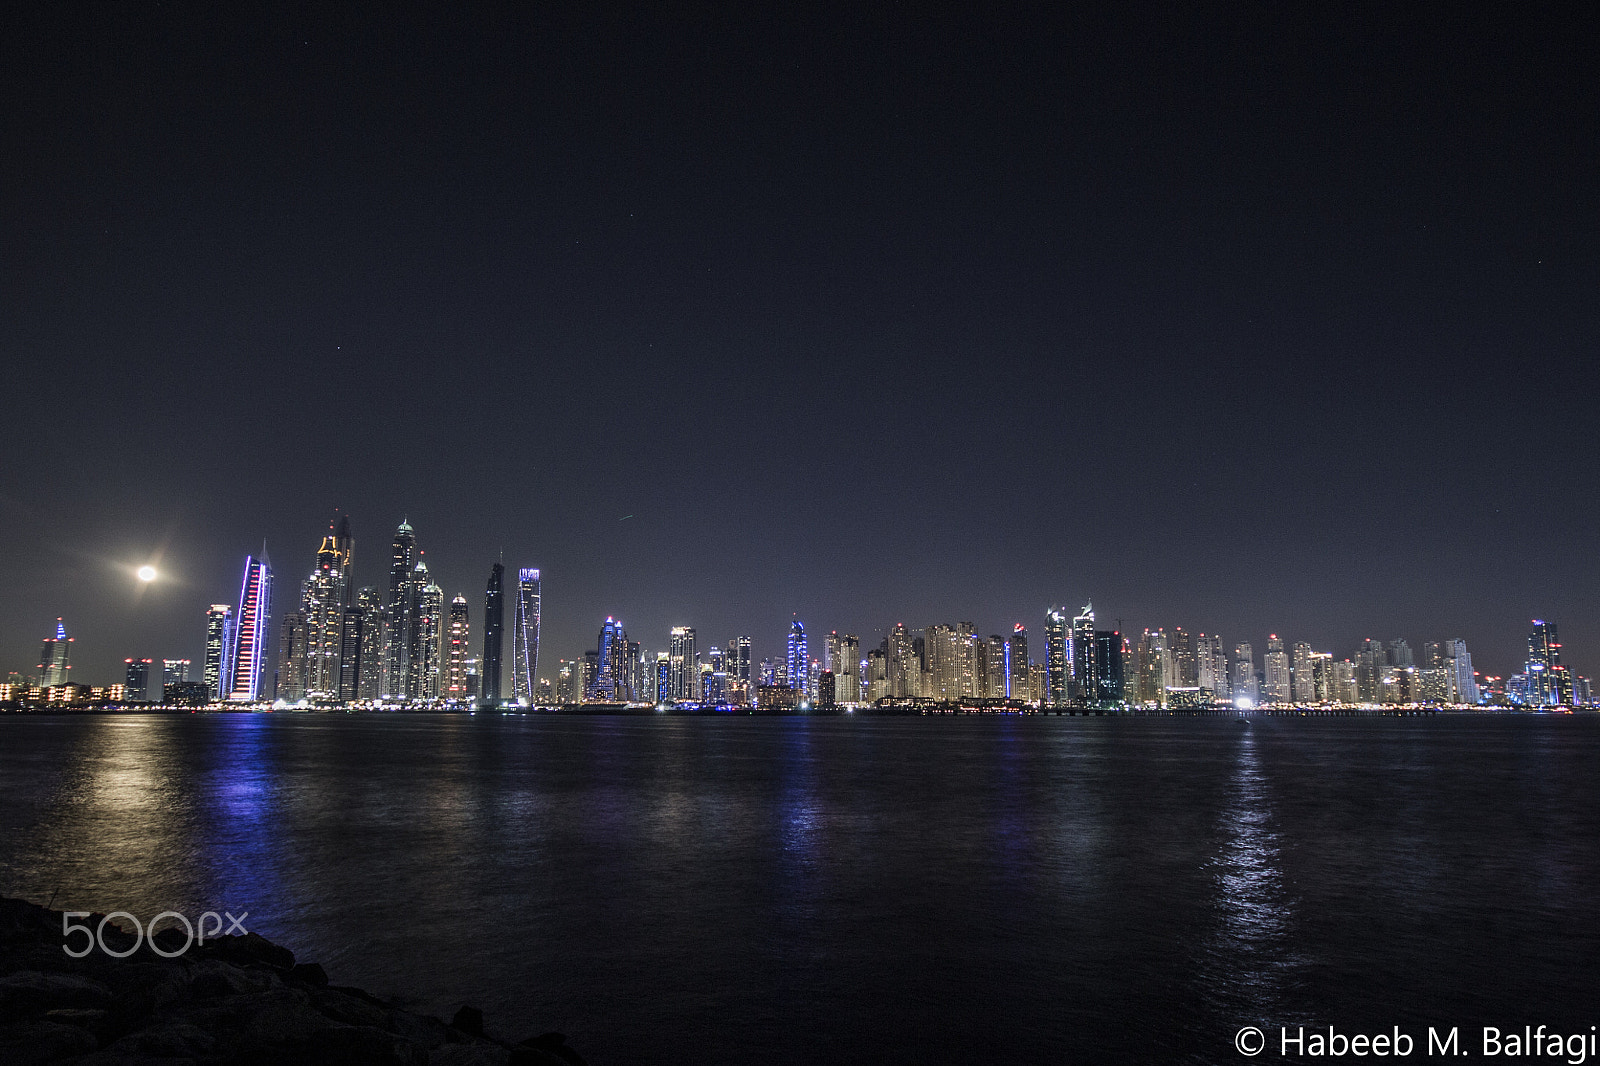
{"x":55,"y":657}
{"x":1305,"y":680}
{"x":427,"y":638}
{"x":902,"y":662}
{"x":1018,"y":684}
{"x":796,"y":658}
{"x":174,"y":672}
{"x":1085,"y":682}
{"x":612,"y":669}
{"x":136,"y":683}
{"x":844,"y":660}
{"x":1058,"y":656}
{"x":460,"y":652}
{"x":1244,"y":676}
{"x":357,"y":651}
{"x":1275,"y":665}
{"x":1549,"y":683}
{"x":322,"y":601}
{"x":369,"y":674}
{"x":290,"y":682}
{"x":1108,"y":657}
{"x":398,"y":609}
{"x":218,"y":636}
{"x":245,"y":655}
{"x":494,"y":638}
{"x":663,"y":677}
{"x":682,"y":664}
{"x":1458,"y":663}
{"x":738,"y":659}
{"x":1157,"y":670}
{"x":997,"y":669}
{"x":1211,"y":660}
{"x":525,"y":636}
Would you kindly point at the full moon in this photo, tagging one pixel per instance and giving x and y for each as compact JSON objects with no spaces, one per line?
{"x":147,"y":573}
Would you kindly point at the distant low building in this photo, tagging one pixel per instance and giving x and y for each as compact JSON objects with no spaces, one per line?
{"x":777,"y":698}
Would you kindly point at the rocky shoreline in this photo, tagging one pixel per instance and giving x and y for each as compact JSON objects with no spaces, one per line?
{"x":235,"y":1000}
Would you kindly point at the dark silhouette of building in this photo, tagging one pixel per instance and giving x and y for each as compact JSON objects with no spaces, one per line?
{"x":494,"y":622}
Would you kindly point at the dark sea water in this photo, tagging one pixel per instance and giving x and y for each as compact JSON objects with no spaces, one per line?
{"x":873,"y":890}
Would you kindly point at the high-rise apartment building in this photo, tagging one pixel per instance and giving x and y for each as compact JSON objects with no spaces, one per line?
{"x":219,"y":626}
{"x":55,"y":658}
{"x":525,"y":635}
{"x":1058,"y":656}
{"x":796,"y":661}
{"x":1244,"y":676}
{"x":1085,"y":685}
{"x":368,"y":674}
{"x":683,"y":663}
{"x":844,"y":661}
{"x":997,"y":669}
{"x":612,"y":666}
{"x":426,"y":672}
{"x":460,"y":652}
{"x":245,"y":655}
{"x":322,"y":601}
{"x":1018,"y":687}
{"x":494,"y":620}
{"x":1457,"y":662}
{"x":1211,"y":661}
{"x":399,"y":613}
{"x":292,"y":640}
{"x":357,"y":651}
{"x":1107,"y":676}
{"x":1305,"y":681}
{"x":1275,"y":664}
{"x":136,"y":680}
{"x":1549,"y":683}
{"x":1157,"y":671}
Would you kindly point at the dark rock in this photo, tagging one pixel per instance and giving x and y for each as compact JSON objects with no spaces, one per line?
{"x":361,"y":994}
{"x":468,"y":1020}
{"x":310,"y":973}
{"x":167,"y":1040}
{"x":534,"y":1056}
{"x":422,"y":1029}
{"x":281,"y":1016}
{"x":38,"y":1042}
{"x":32,"y":992}
{"x":347,"y":1009}
{"x":213,"y":977}
{"x":238,"y":1000}
{"x":20,"y":920}
{"x":361,"y":1045}
{"x":554,"y":1044}
{"x":251,"y":948}
{"x":469,"y":1055}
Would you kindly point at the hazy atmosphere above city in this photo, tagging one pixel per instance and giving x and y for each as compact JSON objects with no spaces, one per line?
{"x":1283,"y":323}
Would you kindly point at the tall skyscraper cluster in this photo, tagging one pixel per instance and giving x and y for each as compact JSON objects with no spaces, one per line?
{"x":400,"y":644}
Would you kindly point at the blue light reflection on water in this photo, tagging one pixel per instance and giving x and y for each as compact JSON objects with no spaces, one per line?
{"x":665,"y":889}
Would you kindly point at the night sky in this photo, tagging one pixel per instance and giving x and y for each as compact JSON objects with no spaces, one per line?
{"x":1274,"y":318}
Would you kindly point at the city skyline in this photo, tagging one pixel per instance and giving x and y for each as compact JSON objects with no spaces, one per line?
{"x":1280,"y":325}
{"x":329,"y":635}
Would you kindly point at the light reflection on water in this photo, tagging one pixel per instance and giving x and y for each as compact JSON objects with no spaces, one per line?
{"x":886,"y":890}
{"x":1251,"y":958}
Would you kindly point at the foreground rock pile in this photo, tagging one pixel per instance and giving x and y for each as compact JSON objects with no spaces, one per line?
{"x":236,"y":1000}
